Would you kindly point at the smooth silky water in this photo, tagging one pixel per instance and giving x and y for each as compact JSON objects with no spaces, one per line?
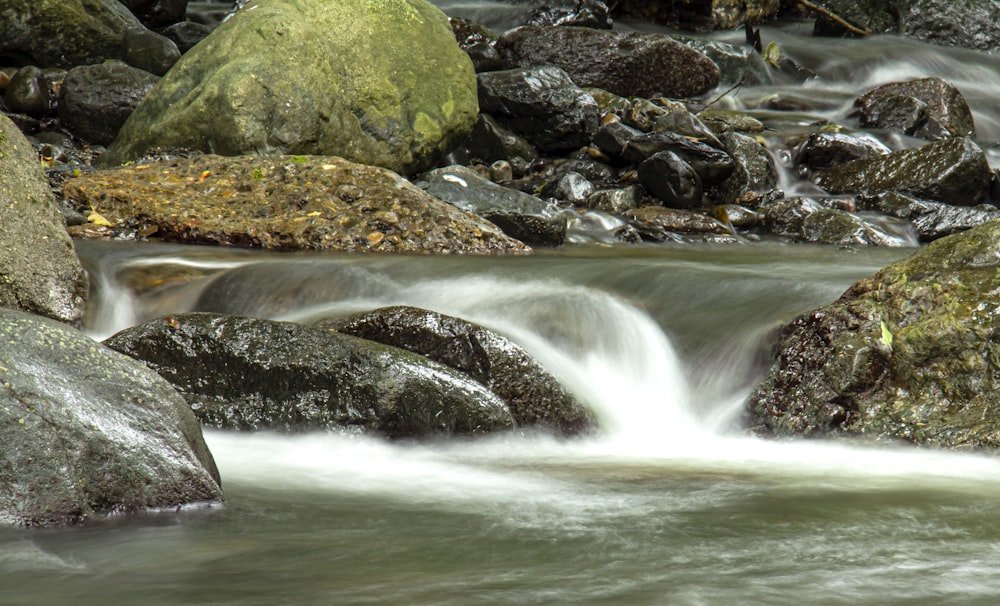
{"x":673,"y":503}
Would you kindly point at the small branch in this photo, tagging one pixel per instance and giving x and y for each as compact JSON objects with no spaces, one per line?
{"x":839,"y":20}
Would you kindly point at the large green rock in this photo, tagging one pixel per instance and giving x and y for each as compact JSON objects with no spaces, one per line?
{"x":39,"y":270}
{"x":377,"y":82}
{"x":87,"y":431}
{"x":911,"y":353}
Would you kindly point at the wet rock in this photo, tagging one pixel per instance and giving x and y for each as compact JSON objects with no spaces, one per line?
{"x":68,"y":33}
{"x":29,"y":92}
{"x":954,"y":171}
{"x":907,"y":354}
{"x":89,"y":432}
{"x":753,"y":168}
{"x":929,"y":108}
{"x":157,"y":13}
{"x":534,"y":396}
{"x":39,"y":270}
{"x":672,"y":180}
{"x":313,"y":78}
{"x":826,"y":150}
{"x":616,"y":201}
{"x":806,"y":220}
{"x":588,"y":226}
{"x":581,"y":13}
{"x":630,"y":64}
{"x":490,"y":142}
{"x":282,"y":202}
{"x":186,"y":34}
{"x":97,"y":99}
{"x":678,"y":220}
{"x":542,"y":105}
{"x":721,"y":120}
{"x":736,"y":216}
{"x":252,"y":374}
{"x":612,"y":138}
{"x":479,"y":43}
{"x":679,"y":121}
{"x":737,"y":65}
{"x":712,"y":165}
{"x":931,"y":220}
{"x":573,"y":187}
{"x":519,"y":215}
{"x":698,"y":16}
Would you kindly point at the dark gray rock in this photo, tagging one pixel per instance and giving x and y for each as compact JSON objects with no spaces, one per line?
{"x":954,"y":171}
{"x":479,"y":43}
{"x":753,"y":168}
{"x":157,"y":13}
{"x":246,"y":373}
{"x":612,"y":138}
{"x":581,"y":13}
{"x":534,"y":396}
{"x":679,"y":121}
{"x":490,"y":142}
{"x":826,"y":150}
{"x":698,"y":16}
{"x":39,"y":270}
{"x":186,"y":34}
{"x":87,"y":431}
{"x":617,"y":201}
{"x":573,"y":187}
{"x":29,"y":92}
{"x":630,"y":64}
{"x":520,"y":215}
{"x":672,"y":180}
{"x":932,"y":220}
{"x":807,"y":220}
{"x":712,"y":165}
{"x":929,"y":108}
{"x":542,"y":104}
{"x":737,"y":65}
{"x":907,"y":354}
{"x":97,"y":99}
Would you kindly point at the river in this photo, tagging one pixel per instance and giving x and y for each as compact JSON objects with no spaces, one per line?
{"x":671,"y":504}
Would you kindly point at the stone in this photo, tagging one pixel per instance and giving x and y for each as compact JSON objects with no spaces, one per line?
{"x":826,"y":150}
{"x":490,"y":142}
{"x":932,"y":220}
{"x":315,"y":77}
{"x":807,"y":220}
{"x":672,"y":180}
{"x":89,"y":432}
{"x":616,"y":201}
{"x":630,"y":64}
{"x":98,"y":99}
{"x":581,"y":13}
{"x":283,"y":203}
{"x":928,"y":108}
{"x":39,"y":269}
{"x":157,"y":13}
{"x":678,"y":220}
{"x":705,"y":15}
{"x":267,"y":375}
{"x":909,"y":354}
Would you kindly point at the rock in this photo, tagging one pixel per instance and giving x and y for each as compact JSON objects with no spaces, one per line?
{"x":39,"y":270}
{"x":573,"y":187}
{"x":826,"y":150}
{"x":929,"y":108}
{"x":542,"y":105}
{"x":30,"y":92}
{"x":186,"y":34}
{"x":806,"y":220}
{"x":753,"y":168}
{"x":282,"y":202}
{"x":613,"y":138}
{"x":478,"y":43}
{"x":954,"y":171}
{"x":668,"y":177}
{"x":157,"y":13}
{"x":532,"y":220}
{"x":88,"y":432}
{"x":581,"y":13}
{"x":712,"y":165}
{"x":931,"y":220}
{"x":737,"y":65}
{"x":323,"y":77}
{"x":68,"y":33}
{"x":721,"y":120}
{"x":588,"y":226}
{"x":630,"y":64}
{"x":615,"y":201}
{"x":698,"y":16}
{"x":278,"y":375}
{"x":680,"y":121}
{"x":490,"y":142}
{"x":908,"y":354}
{"x":534,"y":396}
{"x":678,"y":220}
{"x":97,"y":99}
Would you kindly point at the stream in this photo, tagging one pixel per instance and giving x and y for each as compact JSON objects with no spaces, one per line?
{"x":672,"y":503}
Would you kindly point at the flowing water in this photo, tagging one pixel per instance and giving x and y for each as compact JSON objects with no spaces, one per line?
{"x":672,"y":504}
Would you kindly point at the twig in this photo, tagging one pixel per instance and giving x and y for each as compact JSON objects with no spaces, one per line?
{"x":839,"y":20}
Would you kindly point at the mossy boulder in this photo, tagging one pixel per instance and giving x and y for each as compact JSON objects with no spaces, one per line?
{"x":911,"y":353}
{"x":534,"y":396}
{"x":39,"y":270}
{"x":283,"y":203}
{"x":87,"y":431}
{"x":247,"y":373}
{"x":321,"y":77}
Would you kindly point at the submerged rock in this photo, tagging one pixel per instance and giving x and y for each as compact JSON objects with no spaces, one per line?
{"x":285,"y":203}
{"x":534,"y":396}
{"x":325,"y":78}
{"x":39,"y":270}
{"x":252,"y":374}
{"x":911,"y":353}
{"x":87,"y":431}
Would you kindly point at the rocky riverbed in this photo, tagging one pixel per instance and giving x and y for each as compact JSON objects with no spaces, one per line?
{"x":313,"y":125}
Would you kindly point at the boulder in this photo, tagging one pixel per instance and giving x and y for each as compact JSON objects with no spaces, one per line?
{"x":672,"y":180}
{"x":68,"y":33}
{"x":282,"y":202}
{"x":520,"y":215}
{"x":252,"y":374}
{"x":32,"y":91}
{"x":319,"y":77}
{"x":534,"y":396}
{"x":911,"y":353}
{"x":97,"y":99}
{"x":630,"y":64}
{"x":39,"y":270}
{"x":929,"y":108}
{"x":954,"y":171}
{"x":705,"y":15}
{"x":542,"y":104}
{"x":87,"y":431}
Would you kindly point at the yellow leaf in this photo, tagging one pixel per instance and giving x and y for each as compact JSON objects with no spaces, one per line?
{"x":97,"y":219}
{"x":886,"y":335}
{"x":772,"y":54}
